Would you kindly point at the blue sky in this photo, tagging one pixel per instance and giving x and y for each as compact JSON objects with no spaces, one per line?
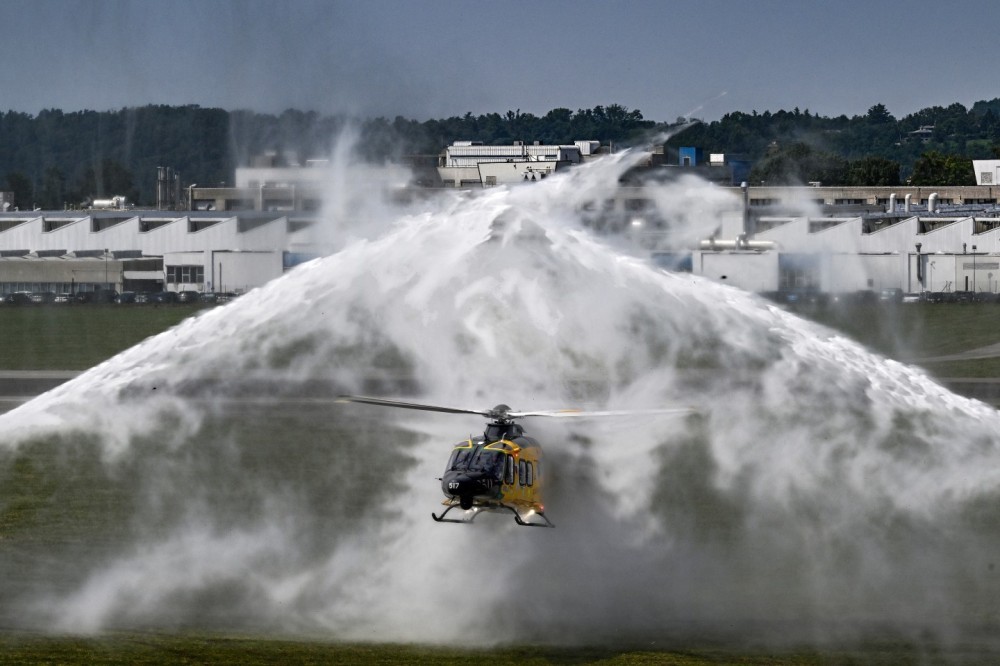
{"x":430,"y":59}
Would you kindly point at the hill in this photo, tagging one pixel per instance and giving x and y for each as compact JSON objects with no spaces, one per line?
{"x":59,"y":159}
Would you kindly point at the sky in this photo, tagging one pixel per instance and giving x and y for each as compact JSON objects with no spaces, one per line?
{"x":426,"y":59}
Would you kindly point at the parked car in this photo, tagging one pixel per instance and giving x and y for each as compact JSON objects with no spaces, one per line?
{"x":188,"y":296}
{"x":162,"y":297}
{"x":125,"y":297}
{"x":893,"y":294}
{"x":209,"y":297}
{"x":98,"y":296}
{"x":64,"y":297}
{"x":42,"y":297}
{"x":18,"y":298}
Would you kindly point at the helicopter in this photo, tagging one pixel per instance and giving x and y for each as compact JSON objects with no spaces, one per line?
{"x":501,"y":470}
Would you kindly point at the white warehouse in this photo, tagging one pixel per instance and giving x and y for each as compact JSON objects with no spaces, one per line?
{"x":912,"y":253}
{"x":71,"y":251}
{"x":473,"y":164}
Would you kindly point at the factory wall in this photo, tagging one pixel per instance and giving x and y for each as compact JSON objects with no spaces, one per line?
{"x":199,"y":252}
{"x":752,"y":271}
{"x":240,"y":271}
{"x":221,"y":270}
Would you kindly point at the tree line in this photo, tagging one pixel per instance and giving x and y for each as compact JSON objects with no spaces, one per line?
{"x":59,"y":159}
{"x":934,"y":146}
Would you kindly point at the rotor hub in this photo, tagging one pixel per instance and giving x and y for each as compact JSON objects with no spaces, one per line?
{"x":501,"y":414}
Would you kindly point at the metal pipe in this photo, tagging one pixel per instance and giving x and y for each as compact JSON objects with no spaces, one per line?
{"x":920,"y":277}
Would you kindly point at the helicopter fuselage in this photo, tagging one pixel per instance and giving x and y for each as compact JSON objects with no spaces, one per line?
{"x":502,"y":467}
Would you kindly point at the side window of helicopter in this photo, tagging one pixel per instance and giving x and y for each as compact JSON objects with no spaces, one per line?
{"x":508,"y":476}
{"x":530,"y":477}
{"x":521,"y":475}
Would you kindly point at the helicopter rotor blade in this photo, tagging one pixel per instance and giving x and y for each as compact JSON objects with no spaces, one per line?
{"x":569,"y":413}
{"x":382,"y":402}
{"x":503,"y":413}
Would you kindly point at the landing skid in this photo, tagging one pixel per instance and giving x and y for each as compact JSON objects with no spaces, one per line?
{"x":482,"y":509}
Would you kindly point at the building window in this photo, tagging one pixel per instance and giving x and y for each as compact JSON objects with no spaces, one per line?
{"x":185,"y":274}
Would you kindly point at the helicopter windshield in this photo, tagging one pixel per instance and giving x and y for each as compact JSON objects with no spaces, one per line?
{"x":490,"y":462}
{"x":459,"y":459}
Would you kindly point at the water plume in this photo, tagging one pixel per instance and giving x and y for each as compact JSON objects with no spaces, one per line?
{"x":204,"y":479}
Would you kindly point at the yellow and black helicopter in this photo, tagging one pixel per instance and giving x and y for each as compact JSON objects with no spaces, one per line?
{"x":501,"y":470}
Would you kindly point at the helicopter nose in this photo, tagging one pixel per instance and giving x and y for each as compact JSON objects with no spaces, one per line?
{"x":465,"y":485}
{"x":456,"y":484}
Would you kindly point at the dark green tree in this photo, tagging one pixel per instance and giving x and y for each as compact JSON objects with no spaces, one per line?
{"x":934,"y":168}
{"x":799,"y":163}
{"x":53,"y":194}
{"x":879,"y":115}
{"x":24,"y":191}
{"x":109,"y":178}
{"x":873,"y":172}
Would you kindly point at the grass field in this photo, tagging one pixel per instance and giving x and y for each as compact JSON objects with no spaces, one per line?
{"x":913,"y":332}
{"x":34,"y":512}
{"x":77,"y":337}
{"x":158,"y":648}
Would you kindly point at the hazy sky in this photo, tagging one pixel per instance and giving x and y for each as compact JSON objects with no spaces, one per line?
{"x":430,"y":59}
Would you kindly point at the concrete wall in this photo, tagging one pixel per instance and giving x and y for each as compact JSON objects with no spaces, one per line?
{"x":514,"y":173}
{"x":227,"y":270}
{"x":18,"y":274}
{"x":987,"y":172}
{"x":882,"y":271}
{"x":752,"y":271}
{"x":869,"y":196}
{"x":246,"y":250}
{"x":241,"y":271}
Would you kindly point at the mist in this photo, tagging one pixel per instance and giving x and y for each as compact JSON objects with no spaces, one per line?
{"x":205,"y":478}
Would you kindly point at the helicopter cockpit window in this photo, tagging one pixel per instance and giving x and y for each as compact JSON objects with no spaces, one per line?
{"x":459,"y":459}
{"x":491,"y":462}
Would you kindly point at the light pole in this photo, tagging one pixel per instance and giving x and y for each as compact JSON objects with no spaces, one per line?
{"x":105,"y":268}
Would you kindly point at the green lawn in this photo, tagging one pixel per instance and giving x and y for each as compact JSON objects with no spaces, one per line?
{"x":158,"y":648}
{"x":44,"y":508}
{"x":77,"y":337}
{"x":913,"y":332}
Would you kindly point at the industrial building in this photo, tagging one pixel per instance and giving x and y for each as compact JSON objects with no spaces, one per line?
{"x":908,"y":239}
{"x":473,"y":164}
{"x":265,"y":188}
{"x":77,"y":251}
{"x":987,"y":172}
{"x":937,"y":252}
